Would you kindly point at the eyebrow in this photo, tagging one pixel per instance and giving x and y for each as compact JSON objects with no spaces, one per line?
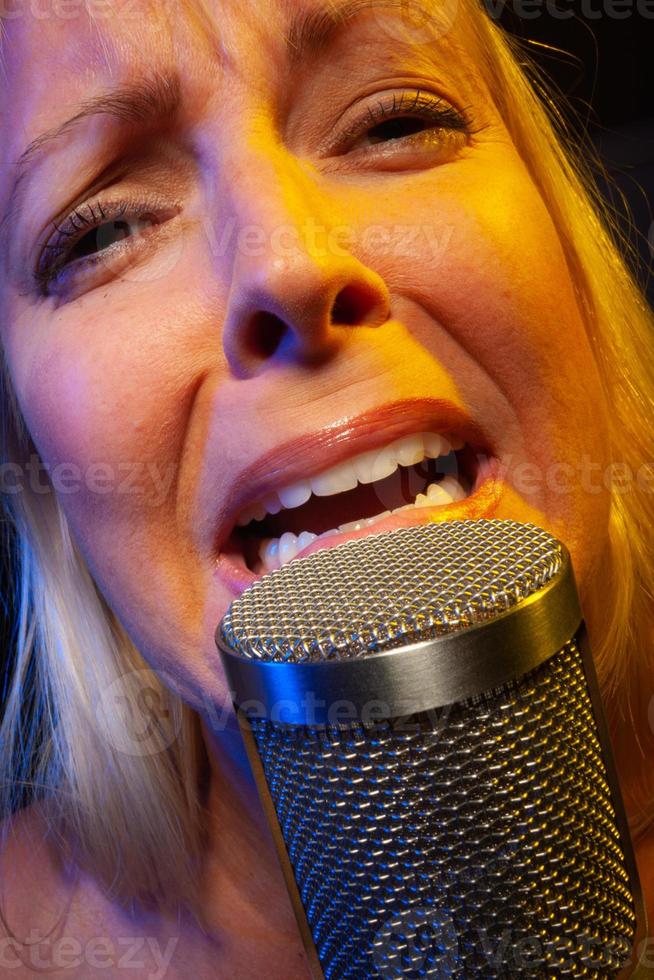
{"x":311,"y":31}
{"x":157,"y":97}
{"x":151,"y":98}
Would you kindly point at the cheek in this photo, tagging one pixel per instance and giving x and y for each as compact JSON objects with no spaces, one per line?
{"x":487,"y":263}
{"x":488,"y":267}
{"x":85,"y":416}
{"x":520,"y":320}
{"x":108,"y":410}
{"x":106,"y":400}
{"x":530,"y":332}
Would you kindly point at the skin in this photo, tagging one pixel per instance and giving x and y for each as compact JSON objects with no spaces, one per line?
{"x":152,"y":363}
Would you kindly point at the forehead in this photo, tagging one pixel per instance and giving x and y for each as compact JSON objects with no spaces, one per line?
{"x":79,"y":40}
{"x":93,"y":40}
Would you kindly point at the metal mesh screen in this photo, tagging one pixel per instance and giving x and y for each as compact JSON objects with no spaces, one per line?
{"x":479,"y":841}
{"x":476,"y":843}
{"x":388,"y":590}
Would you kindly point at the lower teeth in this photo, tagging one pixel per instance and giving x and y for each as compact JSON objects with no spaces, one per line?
{"x":275,"y":552}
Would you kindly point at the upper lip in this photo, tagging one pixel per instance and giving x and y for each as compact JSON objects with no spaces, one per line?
{"x":308,"y":455}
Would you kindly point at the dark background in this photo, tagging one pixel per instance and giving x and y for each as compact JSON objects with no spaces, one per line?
{"x":604,"y":69}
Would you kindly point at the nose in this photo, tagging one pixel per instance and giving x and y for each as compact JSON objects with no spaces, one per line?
{"x":297,"y":293}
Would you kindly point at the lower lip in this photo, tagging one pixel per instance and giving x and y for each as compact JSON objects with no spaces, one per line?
{"x":482,"y":503}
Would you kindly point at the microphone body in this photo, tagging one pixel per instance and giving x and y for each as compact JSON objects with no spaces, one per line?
{"x":422,"y":716}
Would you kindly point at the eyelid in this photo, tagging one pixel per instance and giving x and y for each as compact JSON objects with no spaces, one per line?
{"x":416,"y":101}
{"x":112,"y":207}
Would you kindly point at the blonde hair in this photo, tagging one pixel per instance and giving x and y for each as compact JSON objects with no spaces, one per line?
{"x":123,"y":812}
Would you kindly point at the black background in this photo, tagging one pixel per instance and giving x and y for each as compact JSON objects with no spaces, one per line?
{"x":604,"y":69}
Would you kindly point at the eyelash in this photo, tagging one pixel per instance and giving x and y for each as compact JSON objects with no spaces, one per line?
{"x":418,"y":105}
{"x":84,"y":220}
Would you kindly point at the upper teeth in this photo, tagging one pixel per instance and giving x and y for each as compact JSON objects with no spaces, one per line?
{"x":376,"y":464}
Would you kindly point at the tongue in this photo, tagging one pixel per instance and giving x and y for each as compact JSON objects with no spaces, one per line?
{"x":366,"y":500}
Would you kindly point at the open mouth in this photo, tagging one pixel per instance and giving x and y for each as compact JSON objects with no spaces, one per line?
{"x":417,"y":471}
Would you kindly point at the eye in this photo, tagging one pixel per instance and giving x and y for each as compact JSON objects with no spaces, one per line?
{"x":415,"y":117}
{"x":91,"y":234}
{"x":395,"y":129}
{"x":108,"y":233}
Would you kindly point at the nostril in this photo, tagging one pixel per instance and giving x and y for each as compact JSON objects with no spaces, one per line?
{"x":354,"y":305}
{"x":264,"y":335}
{"x":309,"y":335}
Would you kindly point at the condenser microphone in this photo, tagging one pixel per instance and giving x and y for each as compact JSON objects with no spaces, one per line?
{"x":423,"y":720}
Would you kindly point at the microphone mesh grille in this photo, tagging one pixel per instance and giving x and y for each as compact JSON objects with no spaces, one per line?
{"x":390,"y":590}
{"x":475,"y":842}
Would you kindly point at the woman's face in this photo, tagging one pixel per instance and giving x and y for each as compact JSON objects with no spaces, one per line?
{"x":311,"y":253}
